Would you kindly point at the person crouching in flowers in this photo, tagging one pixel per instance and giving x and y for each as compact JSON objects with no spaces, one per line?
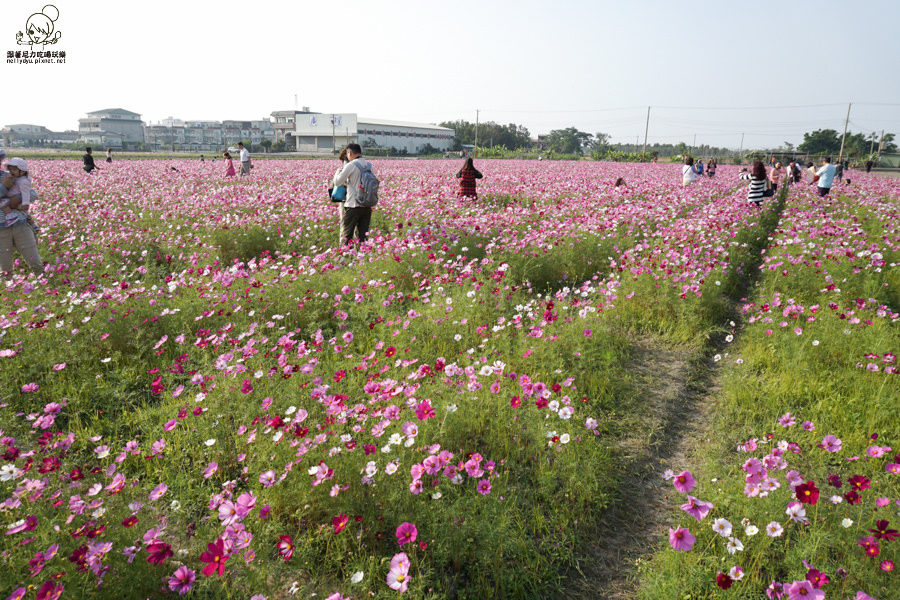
{"x":16,"y":230}
{"x":467,"y":176}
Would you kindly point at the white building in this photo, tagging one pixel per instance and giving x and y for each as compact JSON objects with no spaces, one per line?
{"x":327,"y":133}
{"x":113,"y":127}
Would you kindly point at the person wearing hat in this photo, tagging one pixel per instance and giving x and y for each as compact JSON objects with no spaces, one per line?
{"x":16,"y":230}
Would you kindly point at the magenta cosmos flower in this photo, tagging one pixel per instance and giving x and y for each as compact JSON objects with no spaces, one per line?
{"x":182,"y":580}
{"x":684,"y":482}
{"x":406,"y":533}
{"x":681,"y":539}
{"x":216,"y":558}
{"x":697,"y":508}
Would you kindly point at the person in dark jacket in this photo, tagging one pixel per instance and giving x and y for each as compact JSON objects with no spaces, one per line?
{"x":467,"y":176}
{"x":88,"y":159}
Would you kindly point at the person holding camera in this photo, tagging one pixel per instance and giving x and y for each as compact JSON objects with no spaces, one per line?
{"x":355,"y":217}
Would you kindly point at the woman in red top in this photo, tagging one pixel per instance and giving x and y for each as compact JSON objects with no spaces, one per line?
{"x":467,"y":176}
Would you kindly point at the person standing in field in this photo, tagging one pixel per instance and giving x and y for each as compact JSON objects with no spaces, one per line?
{"x":245,"y":160}
{"x":711,"y":168}
{"x":467,"y":176}
{"x":229,"y":164}
{"x":688,"y":172}
{"x":776,"y":175}
{"x":355,"y":218}
{"x":699,"y":167}
{"x":826,"y":176}
{"x":109,"y":155}
{"x":336,"y":197}
{"x":16,"y":229}
{"x":757,"y":178}
{"x":88,"y":160}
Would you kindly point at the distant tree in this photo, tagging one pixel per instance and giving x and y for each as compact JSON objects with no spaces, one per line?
{"x":889,"y":146}
{"x":266,"y":144}
{"x":568,"y":140}
{"x":821,"y":141}
{"x":489,"y":132}
{"x":278,"y":147}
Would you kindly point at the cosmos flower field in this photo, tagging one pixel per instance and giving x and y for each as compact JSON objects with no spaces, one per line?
{"x":205,"y":396}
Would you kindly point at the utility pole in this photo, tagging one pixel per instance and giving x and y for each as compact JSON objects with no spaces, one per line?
{"x":742,"y":149}
{"x":694,"y":145}
{"x":844,"y":137}
{"x":872,"y":145}
{"x":476,"y":132}
{"x":881,"y":145}
{"x":333,"y":145}
{"x":646,"y":129}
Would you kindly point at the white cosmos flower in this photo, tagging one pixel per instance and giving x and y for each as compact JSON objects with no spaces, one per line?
{"x":357,"y":577}
{"x":751,"y":530}
{"x":734,"y":545}
{"x":436,"y":496}
{"x":210,"y":441}
{"x":847,"y":523}
{"x":564,"y":438}
{"x":722,"y":527}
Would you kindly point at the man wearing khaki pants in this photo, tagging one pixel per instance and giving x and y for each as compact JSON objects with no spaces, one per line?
{"x":355,"y":218}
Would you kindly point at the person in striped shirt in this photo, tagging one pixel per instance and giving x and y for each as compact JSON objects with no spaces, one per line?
{"x":757,"y":178}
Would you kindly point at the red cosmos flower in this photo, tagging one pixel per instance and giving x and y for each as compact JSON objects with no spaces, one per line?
{"x":130,"y":521}
{"x":541,"y":403}
{"x":285,"y":547}
{"x":873,"y":550}
{"x":859,"y":483}
{"x":76,"y":474}
{"x":50,"y":464}
{"x":339,"y":522}
{"x":216,"y":558}
{"x":77,"y":558}
{"x":723,"y":580}
{"x":516,"y":402}
{"x":50,"y":591}
{"x":882,"y":532}
{"x":817,"y":578}
{"x":158,"y":552}
{"x":807,"y":493}
{"x":390,"y":351}
{"x":246,"y":388}
{"x":852,"y":497}
{"x":157,"y":387}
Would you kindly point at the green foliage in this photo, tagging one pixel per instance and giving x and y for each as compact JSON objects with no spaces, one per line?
{"x":569,"y":141}
{"x":489,"y":133}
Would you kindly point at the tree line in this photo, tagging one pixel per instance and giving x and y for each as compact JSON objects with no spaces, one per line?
{"x":571,"y":140}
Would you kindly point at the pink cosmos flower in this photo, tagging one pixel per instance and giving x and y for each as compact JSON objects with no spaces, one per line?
{"x":336,"y":596}
{"x":697,"y":508}
{"x":681,"y":539}
{"x":182,"y":580}
{"x":860,"y":595}
{"x":158,"y":552}
{"x":398,"y":576}
{"x":804,"y":590}
{"x":267,"y":479}
{"x":211,"y":468}
{"x":787,"y":420}
{"x":158,"y":491}
{"x":483,"y":487}
{"x":684,"y":482}
{"x":830,"y":443}
{"x":406,"y":533}
{"x":30,"y":387}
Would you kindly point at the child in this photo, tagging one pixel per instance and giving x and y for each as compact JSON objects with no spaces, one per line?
{"x":19,"y":188}
{"x":229,"y":172}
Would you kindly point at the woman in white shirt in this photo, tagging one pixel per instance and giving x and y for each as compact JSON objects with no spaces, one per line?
{"x":689,"y":173}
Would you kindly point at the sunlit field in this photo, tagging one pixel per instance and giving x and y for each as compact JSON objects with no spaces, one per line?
{"x":205,"y":395}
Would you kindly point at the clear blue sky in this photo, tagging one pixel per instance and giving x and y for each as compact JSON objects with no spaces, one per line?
{"x":716,"y":69}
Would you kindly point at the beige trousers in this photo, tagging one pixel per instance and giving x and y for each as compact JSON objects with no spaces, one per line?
{"x":21,"y":237}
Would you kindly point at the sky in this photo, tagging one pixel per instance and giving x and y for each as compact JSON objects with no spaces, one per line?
{"x":712,"y":72}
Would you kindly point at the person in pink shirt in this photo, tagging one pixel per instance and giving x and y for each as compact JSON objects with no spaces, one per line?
{"x":16,"y":230}
{"x":776,"y":175}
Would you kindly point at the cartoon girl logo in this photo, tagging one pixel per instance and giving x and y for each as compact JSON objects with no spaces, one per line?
{"x":40,"y":29}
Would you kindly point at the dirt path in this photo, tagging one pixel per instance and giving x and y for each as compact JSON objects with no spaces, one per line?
{"x":680,"y":391}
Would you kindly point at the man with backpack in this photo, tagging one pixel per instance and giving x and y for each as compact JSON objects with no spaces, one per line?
{"x":362,"y":194}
